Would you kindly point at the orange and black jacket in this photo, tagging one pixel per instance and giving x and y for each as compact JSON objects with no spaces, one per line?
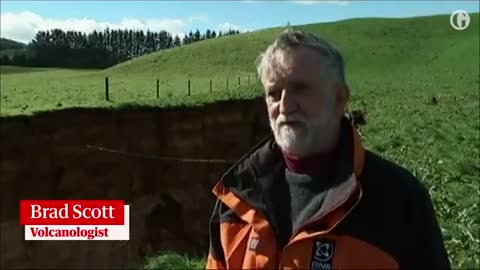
{"x":375,"y":215}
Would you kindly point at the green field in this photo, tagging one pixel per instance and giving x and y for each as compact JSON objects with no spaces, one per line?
{"x":394,"y":68}
{"x":172,"y":261}
{"x":420,"y":50}
{"x":24,"y":93}
{"x":15,"y":69}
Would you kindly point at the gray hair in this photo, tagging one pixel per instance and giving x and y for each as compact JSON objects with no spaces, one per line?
{"x":332,"y":59}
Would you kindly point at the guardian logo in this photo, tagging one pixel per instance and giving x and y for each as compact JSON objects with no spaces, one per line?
{"x":459,"y":20}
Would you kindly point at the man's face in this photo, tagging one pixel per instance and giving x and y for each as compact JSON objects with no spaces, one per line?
{"x":303,"y":105}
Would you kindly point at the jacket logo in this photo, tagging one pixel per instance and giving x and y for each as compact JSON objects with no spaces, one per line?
{"x":253,"y":243}
{"x":322,"y":255}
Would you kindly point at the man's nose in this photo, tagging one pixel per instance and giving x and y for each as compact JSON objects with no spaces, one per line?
{"x":287,"y":102}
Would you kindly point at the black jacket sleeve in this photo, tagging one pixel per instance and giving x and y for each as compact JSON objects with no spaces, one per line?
{"x":427,"y":249}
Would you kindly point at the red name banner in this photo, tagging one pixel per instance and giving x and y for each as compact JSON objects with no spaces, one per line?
{"x":72,"y":212}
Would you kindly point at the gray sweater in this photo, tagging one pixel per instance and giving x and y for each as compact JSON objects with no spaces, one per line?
{"x":296,"y":198}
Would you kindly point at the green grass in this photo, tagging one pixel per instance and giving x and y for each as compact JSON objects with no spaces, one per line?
{"x":83,"y":88}
{"x":396,"y":50}
{"x":27,"y":93}
{"x":394,"y":68}
{"x":440,"y":145}
{"x":15,"y":69}
{"x":170,"y":260}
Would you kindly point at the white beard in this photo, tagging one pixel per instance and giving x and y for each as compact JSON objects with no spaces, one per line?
{"x":305,"y":137}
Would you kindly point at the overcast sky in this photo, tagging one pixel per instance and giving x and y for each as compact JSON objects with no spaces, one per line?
{"x":20,"y":20}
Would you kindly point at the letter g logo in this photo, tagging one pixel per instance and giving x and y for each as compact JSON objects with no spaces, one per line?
{"x":459,"y":20}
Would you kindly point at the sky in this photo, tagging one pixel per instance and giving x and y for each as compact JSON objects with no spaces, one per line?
{"x":20,"y":20}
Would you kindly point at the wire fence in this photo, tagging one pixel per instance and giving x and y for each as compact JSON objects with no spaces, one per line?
{"x":210,"y":85}
{"x":162,"y":158}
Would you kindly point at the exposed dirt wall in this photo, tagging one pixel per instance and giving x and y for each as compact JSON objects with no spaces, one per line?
{"x":46,"y":157}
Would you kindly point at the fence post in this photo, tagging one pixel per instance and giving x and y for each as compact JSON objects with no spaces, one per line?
{"x":158,"y":88}
{"x":107,"y":96}
{"x":227,"y":83}
{"x":248,"y":80}
{"x":238,"y":80}
{"x":210,"y":86}
{"x":189,"y":87}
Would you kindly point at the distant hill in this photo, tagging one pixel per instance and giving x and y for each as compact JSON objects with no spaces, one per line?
{"x":8,"y":44}
{"x":370,"y":45}
{"x":407,"y":56}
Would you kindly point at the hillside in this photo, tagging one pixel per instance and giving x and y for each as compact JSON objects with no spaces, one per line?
{"x":411,"y":52}
{"x":11,"y":48}
{"x":8,"y":44}
{"x":399,"y":44}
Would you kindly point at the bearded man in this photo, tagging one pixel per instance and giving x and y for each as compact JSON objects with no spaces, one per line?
{"x":310,"y":196}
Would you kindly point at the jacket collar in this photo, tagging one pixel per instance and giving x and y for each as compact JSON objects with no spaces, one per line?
{"x":240,"y":186}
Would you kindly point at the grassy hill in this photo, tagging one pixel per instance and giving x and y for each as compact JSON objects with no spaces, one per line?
{"x":378,"y":52}
{"x":8,"y":44}
{"x":380,"y":42}
{"x":11,"y":47}
{"x":394,"y":68}
{"x":15,"y":69}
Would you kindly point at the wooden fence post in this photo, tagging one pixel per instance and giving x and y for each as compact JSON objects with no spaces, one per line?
{"x":248,"y":80}
{"x":210,"y":86}
{"x":189,"y":87}
{"x":158,"y":88}
{"x":107,"y":96}
{"x":238,"y":80}
{"x":227,"y":83}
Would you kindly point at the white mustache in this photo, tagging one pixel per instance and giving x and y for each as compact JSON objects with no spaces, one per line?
{"x":282,"y":120}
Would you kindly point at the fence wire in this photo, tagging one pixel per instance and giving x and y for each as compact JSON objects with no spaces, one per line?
{"x":150,"y":156}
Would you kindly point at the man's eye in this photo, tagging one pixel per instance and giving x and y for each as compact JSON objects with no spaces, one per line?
{"x":273,"y":95}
